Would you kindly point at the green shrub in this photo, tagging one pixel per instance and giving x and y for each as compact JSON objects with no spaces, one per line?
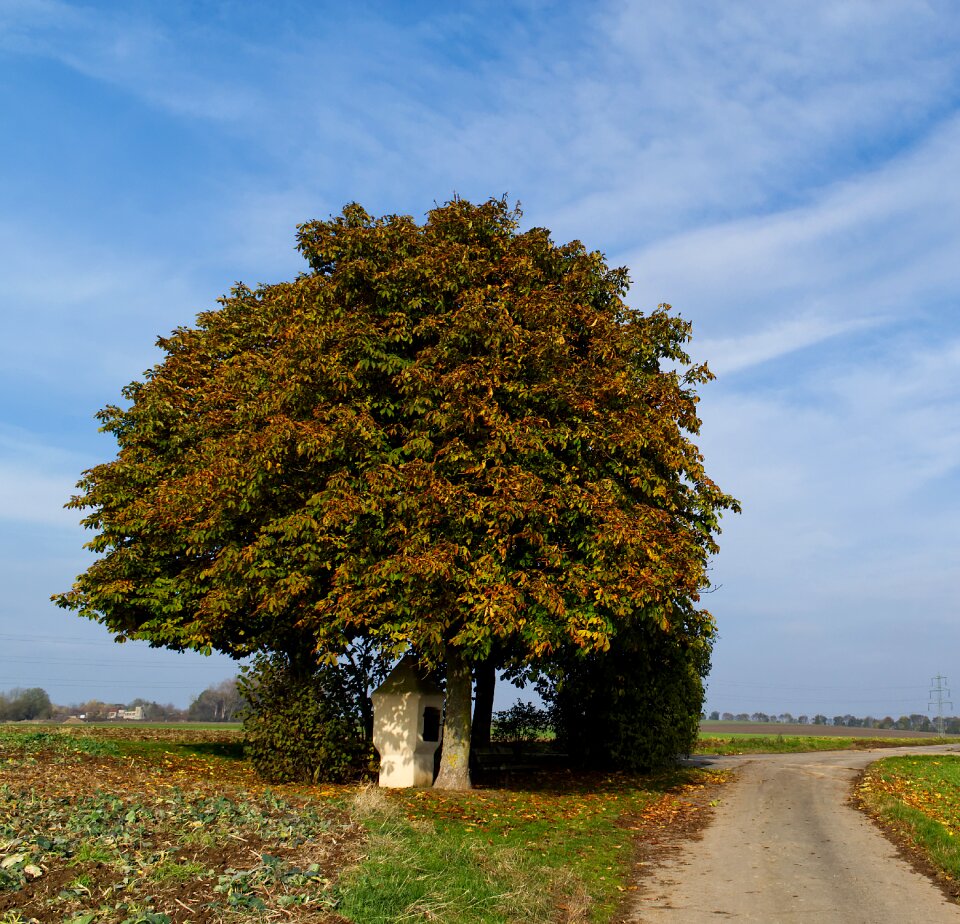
{"x":302,"y":726}
{"x":521,"y":722}
{"x":635,"y":707}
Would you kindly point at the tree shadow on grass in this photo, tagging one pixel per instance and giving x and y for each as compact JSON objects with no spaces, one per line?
{"x":227,"y":750}
{"x":558,"y":781}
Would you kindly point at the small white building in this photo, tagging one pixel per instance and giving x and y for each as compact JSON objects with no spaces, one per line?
{"x":407,"y":714}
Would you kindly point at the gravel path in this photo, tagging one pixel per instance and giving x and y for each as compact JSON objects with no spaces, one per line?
{"x":785,"y":846}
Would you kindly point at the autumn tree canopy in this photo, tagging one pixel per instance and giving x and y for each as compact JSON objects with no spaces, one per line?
{"x":448,"y":437}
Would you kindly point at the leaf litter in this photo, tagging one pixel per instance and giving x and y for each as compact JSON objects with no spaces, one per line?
{"x":88,"y":836}
{"x":95,"y":831}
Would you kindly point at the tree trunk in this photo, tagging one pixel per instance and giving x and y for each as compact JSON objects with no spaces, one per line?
{"x":455,"y":759}
{"x":483,"y":706}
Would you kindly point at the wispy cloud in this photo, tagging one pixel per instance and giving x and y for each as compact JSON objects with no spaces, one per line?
{"x":879,"y":249}
{"x":27,"y":496}
{"x":129,"y":50}
{"x":732,"y":354}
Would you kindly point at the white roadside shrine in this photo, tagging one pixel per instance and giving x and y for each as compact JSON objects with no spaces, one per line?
{"x":407,"y":713}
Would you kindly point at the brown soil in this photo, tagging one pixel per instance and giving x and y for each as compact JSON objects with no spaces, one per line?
{"x":818,"y":731}
{"x":53,"y":897}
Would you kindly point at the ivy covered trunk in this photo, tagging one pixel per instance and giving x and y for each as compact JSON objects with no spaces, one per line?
{"x":455,"y":760}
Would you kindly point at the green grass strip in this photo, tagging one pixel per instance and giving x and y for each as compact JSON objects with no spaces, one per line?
{"x":732,"y":744}
{"x":919,"y":797}
{"x":499,"y":856}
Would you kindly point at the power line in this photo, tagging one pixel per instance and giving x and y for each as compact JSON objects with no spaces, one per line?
{"x":70,"y":640}
{"x":122,"y":662}
{"x":802,"y":688}
{"x":137,"y":684}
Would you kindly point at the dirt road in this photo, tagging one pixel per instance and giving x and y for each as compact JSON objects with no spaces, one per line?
{"x":785,"y":846}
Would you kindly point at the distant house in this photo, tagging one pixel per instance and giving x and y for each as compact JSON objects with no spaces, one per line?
{"x":134,"y":715}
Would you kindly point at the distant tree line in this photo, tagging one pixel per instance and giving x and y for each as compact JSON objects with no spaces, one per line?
{"x":913,"y":722}
{"x":217,"y":703}
{"x":21,"y":705}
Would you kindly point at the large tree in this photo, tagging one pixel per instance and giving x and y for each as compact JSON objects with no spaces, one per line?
{"x":453,"y":437}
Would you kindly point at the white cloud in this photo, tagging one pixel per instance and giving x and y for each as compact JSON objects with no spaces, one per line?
{"x":876,"y":250}
{"x":262,"y":232}
{"x":687,"y":113}
{"x":89,"y":318}
{"x":863,"y":444}
{"x":731,"y":354}
{"x":82,"y":274}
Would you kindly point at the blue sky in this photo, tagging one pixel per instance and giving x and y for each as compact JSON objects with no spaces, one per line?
{"x":784,"y":174}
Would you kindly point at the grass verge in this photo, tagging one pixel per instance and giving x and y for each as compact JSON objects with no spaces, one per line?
{"x":730,"y":744}
{"x":559,"y":849}
{"x":916,"y":799}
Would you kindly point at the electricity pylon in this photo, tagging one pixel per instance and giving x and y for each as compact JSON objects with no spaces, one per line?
{"x":939,"y":690}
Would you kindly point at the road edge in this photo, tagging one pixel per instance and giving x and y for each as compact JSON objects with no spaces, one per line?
{"x":899,"y":837}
